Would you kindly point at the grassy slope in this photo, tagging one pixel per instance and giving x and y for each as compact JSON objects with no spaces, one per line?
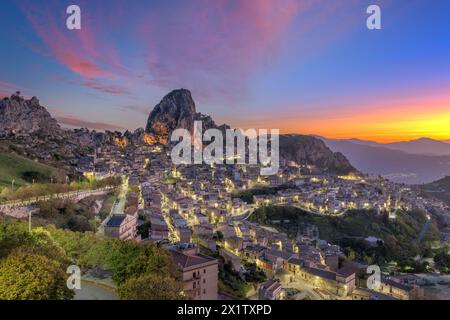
{"x":13,"y":166}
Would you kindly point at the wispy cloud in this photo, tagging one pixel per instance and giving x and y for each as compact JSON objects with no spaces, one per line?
{"x":137,"y":109}
{"x":75,"y":122}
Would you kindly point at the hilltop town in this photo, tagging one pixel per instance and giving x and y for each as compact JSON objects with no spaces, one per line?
{"x":208,"y":217}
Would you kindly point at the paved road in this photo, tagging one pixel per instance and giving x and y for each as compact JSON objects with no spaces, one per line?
{"x":91,"y":291}
{"x":119,"y":205}
{"x":305,"y":288}
{"x":245,"y":215}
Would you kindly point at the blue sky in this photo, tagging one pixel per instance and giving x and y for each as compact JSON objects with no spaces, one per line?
{"x":299,"y":65}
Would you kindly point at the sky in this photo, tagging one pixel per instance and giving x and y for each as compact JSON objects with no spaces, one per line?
{"x":301,"y":66}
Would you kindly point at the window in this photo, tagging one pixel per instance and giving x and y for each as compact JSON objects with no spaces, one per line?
{"x":204,"y":281}
{"x":204,"y":270}
{"x":204,"y":291}
{"x":193,"y":275}
{"x":194,"y":285}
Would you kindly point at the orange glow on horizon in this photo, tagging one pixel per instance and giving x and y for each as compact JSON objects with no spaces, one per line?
{"x":383,"y":124}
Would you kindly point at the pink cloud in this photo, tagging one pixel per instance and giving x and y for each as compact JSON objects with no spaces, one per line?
{"x":214,"y":47}
{"x":83,"y":52}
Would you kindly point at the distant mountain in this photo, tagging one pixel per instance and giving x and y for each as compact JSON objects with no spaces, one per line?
{"x":396,"y":165}
{"x":178,"y":110}
{"x":424,"y":146}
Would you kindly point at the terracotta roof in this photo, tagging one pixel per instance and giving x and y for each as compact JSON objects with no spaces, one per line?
{"x":184,"y":261}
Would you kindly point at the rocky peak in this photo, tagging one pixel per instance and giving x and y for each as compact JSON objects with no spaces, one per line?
{"x":176,"y":110}
{"x":19,"y":115}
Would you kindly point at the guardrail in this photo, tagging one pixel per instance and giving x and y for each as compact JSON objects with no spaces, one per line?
{"x":63,"y":195}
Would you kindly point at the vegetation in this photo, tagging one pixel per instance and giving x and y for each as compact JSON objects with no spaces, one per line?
{"x":399,"y":235}
{"x":32,"y":265}
{"x":247,"y":195}
{"x":231,"y":283}
{"x":29,"y":276}
{"x":239,"y":284}
{"x":151,"y":287}
{"x":66,"y":214}
{"x":253,"y":273}
{"x":125,"y":259}
{"x":442,"y":260}
{"x":24,"y":171}
{"x":107,"y":206}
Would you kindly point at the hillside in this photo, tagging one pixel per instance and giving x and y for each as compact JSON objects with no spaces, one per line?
{"x":439,"y":189}
{"x":24,"y":170}
{"x":399,"y":235}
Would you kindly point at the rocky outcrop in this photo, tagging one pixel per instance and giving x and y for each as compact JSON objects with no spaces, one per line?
{"x":310,"y":150}
{"x":176,"y":110}
{"x":18,"y":115}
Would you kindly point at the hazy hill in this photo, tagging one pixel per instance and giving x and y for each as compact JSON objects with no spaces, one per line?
{"x":424,"y":146}
{"x":396,"y":165}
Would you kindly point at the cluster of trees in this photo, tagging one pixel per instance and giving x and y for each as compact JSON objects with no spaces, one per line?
{"x":239,"y":284}
{"x":141,"y":271}
{"x":442,"y":260}
{"x":32,"y":265}
{"x":35,"y":190}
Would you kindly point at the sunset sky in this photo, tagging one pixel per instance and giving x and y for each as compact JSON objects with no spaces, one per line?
{"x":303,"y":66}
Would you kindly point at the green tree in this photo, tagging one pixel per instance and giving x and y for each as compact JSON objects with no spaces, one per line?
{"x":29,"y":276}
{"x":151,"y":287}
